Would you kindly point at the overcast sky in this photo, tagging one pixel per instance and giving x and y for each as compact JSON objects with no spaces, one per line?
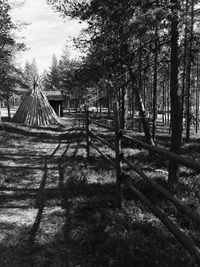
{"x":47,"y":33}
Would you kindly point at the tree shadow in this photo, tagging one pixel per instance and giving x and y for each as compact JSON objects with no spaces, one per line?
{"x":40,"y":203}
{"x":101,"y":235}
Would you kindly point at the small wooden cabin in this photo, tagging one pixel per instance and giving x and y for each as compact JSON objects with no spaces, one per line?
{"x":55,"y":99}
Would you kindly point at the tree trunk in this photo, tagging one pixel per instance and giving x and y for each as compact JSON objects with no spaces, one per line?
{"x":132,"y":107}
{"x":8,"y":107}
{"x":124,"y":107}
{"x":144,"y":92}
{"x":184,"y":61}
{"x":100,"y":106}
{"x":122,"y":120}
{"x":168,"y":103}
{"x":197,"y":99}
{"x":69,"y":103}
{"x":155,"y":84}
{"x":176,"y":124}
{"x":0,"y":113}
{"x":188,"y":75}
{"x":164,"y":103}
{"x":108,"y":101}
{"x":140,"y":104}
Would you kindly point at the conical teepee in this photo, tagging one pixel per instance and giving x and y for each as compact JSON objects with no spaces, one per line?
{"x":35,"y":110}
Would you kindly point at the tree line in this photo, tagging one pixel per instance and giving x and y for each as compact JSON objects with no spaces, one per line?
{"x":10,"y":73}
{"x":145,"y":54}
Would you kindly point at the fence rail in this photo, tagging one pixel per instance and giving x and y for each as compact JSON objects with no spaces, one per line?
{"x":192,"y":164}
{"x":123,"y":177}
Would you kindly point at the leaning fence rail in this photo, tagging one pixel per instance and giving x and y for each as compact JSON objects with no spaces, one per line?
{"x":192,"y":164}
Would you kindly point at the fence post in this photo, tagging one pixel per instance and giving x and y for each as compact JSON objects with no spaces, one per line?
{"x":87,"y":129}
{"x":118,"y":154}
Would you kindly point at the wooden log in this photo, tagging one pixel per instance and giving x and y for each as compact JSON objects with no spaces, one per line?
{"x":102,"y":140}
{"x":187,"y":243}
{"x":32,"y":131}
{"x":192,"y":164}
{"x":177,"y":203}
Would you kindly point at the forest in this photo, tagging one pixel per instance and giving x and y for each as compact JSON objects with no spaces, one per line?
{"x":117,"y":183}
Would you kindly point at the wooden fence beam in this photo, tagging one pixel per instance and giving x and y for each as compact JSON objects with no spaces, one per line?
{"x":102,"y":140}
{"x":105,"y":156}
{"x":192,"y":164}
{"x":187,"y":243}
{"x":123,"y":177}
{"x":177,"y":203}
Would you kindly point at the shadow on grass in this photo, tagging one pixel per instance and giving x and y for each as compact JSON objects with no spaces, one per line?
{"x":98,"y":234}
{"x":40,"y":203}
{"x":94,"y":232}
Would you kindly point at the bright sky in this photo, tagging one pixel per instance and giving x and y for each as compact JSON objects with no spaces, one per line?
{"x":46,"y":35}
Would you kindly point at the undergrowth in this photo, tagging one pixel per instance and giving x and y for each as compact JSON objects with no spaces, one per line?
{"x":101,"y":235}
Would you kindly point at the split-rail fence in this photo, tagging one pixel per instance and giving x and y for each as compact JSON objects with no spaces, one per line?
{"x":123,"y":177}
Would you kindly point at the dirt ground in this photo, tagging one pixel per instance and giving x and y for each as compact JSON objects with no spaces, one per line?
{"x":29,"y":164}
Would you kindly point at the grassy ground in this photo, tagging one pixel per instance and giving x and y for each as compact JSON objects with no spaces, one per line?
{"x":57,"y":210}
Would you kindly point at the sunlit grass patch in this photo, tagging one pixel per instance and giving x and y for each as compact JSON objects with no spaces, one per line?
{"x":51,"y":226}
{"x":20,"y":217}
{"x":15,"y":225}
